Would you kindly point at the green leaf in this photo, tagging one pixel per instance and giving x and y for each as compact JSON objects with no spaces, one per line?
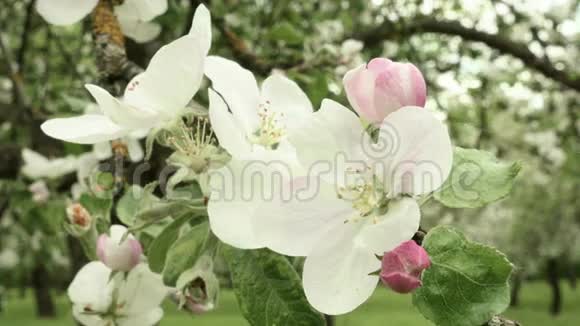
{"x":467,"y":283}
{"x":136,"y":199}
{"x":99,"y":208}
{"x":184,"y":253}
{"x":477,"y":178}
{"x":157,"y":251}
{"x":286,"y":32}
{"x":268,"y":289}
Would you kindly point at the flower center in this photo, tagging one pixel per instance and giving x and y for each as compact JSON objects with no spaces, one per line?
{"x":364,"y":192}
{"x":196,"y":145}
{"x":271,"y":129}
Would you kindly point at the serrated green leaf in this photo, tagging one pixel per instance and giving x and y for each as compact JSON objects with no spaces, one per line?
{"x":268,"y":289}
{"x":184,"y":253}
{"x":133,"y":201}
{"x":477,"y":178}
{"x":467,"y":283}
{"x":157,"y":251}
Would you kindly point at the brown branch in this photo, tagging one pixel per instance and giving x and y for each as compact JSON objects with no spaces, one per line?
{"x":112,"y":62}
{"x":418,"y":25}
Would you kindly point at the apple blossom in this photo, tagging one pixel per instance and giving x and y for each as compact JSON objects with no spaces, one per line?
{"x":37,"y":166}
{"x":134,"y":15}
{"x":402,"y":267}
{"x":116,"y":253}
{"x":364,"y":207}
{"x":152,"y":99}
{"x":383,"y":86}
{"x":251,"y":123}
{"x":99,"y":299}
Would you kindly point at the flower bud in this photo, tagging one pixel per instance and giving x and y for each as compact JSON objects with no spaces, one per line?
{"x":384,"y":86}
{"x":116,"y":254}
{"x":39,"y":191}
{"x":79,"y":217}
{"x":198,"y":288}
{"x":402,"y":267}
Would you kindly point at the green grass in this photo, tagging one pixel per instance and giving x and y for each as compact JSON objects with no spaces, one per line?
{"x":384,"y":309}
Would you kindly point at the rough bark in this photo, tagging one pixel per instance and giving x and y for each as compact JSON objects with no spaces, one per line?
{"x":44,"y":304}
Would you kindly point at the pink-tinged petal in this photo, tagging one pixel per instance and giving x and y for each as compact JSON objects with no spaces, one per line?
{"x":401,"y":283}
{"x":136,"y":251}
{"x":101,"y":244}
{"x":402,"y":267}
{"x":119,"y":256}
{"x":384,"y":86}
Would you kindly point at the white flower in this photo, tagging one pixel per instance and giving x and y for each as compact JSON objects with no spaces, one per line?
{"x":152,"y":99}
{"x":37,"y":166}
{"x":132,"y":301}
{"x":103,"y":150}
{"x":363,"y":208}
{"x":255,"y":134}
{"x":39,"y":191}
{"x":134,"y":16}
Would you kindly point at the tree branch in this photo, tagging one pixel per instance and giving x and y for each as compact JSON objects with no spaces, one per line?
{"x":418,"y":25}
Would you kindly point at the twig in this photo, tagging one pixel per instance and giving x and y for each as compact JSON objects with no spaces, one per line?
{"x":390,"y":29}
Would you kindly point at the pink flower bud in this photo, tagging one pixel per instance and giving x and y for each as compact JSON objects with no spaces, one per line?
{"x":384,"y":86}
{"x":39,"y":191}
{"x":79,"y":217}
{"x":402,"y":267}
{"x":116,"y":254}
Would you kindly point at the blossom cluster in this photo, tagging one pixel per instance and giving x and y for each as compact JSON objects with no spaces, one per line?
{"x":354,"y":176}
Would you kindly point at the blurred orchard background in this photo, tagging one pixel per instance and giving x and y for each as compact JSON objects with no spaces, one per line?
{"x":503,"y":74}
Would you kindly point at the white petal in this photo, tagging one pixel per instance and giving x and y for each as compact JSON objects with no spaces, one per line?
{"x":237,"y":190}
{"x":64,"y":12}
{"x":143,"y":10}
{"x":292,"y":227}
{"x":139,"y":31}
{"x":86,"y":319}
{"x":119,"y":112}
{"x":85,"y":129}
{"x":145,"y":319}
{"x":103,"y":151}
{"x":330,"y":140}
{"x":171,"y":80}
{"x":284,"y":96}
{"x":201,"y":28}
{"x":231,"y":137}
{"x":89,"y":287}
{"x":399,"y":224}
{"x":418,"y":154}
{"x":238,"y":88}
{"x":142,"y":291}
{"x":336,"y":274}
{"x":135,"y":149}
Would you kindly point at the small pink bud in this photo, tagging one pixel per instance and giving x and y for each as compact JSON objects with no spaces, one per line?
{"x":117,"y":255}
{"x":402,"y":267}
{"x":384,"y":86}
{"x":79,"y":217}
